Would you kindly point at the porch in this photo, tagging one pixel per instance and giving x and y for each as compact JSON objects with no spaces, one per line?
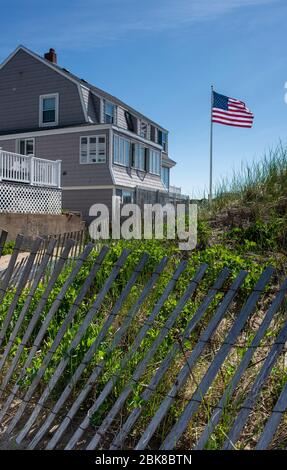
{"x":29,"y":184}
{"x":29,"y":169}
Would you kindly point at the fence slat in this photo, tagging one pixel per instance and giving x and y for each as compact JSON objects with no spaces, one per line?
{"x":93,"y":348}
{"x":273,"y":421}
{"x":34,"y":320}
{"x":22,"y":283}
{"x":26,"y":306}
{"x":201,"y":344}
{"x":180,"y":426}
{"x":141,"y":367}
{"x":67,"y":321}
{"x":151,"y":387}
{"x":249,"y":402}
{"x":81,"y":331}
{"x":9,"y":271}
{"x":217,"y":412}
{"x":105,"y":328}
{"x":3,"y":238}
{"x":116,"y":309}
{"x":45,"y":324}
{"x":132,"y":350}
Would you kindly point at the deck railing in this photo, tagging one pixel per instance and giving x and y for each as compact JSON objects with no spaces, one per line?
{"x":29,"y":169}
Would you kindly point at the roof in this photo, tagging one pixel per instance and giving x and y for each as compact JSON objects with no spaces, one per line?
{"x":46,"y":128}
{"x":82,"y":82}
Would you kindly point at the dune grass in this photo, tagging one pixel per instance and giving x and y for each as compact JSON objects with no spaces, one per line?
{"x":259,"y":182}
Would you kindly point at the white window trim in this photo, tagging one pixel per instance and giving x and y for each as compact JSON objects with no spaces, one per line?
{"x":97,"y":136}
{"x":41,"y":99}
{"x":17,"y":146}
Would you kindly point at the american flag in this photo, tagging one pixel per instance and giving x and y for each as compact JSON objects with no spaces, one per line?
{"x":230,"y":112}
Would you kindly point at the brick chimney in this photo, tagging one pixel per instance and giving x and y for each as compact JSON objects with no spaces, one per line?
{"x":51,"y":56}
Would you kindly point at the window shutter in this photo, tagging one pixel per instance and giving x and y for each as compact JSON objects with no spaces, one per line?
{"x":129,"y":120}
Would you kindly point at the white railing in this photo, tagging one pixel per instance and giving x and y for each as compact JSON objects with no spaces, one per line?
{"x":27,"y":169}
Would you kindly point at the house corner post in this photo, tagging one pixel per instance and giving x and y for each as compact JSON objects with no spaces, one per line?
{"x":1,"y":164}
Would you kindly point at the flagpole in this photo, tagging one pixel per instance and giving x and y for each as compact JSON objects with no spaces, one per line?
{"x":211,"y":149}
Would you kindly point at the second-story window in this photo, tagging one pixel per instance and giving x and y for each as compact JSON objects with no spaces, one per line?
{"x":109,"y":112}
{"x":162,"y":140}
{"x":121,"y":151}
{"x":93,"y":149}
{"x":49,"y":110}
{"x":154,"y":162}
{"x":139,"y":157}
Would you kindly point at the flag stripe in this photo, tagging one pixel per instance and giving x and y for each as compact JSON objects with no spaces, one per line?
{"x":230,"y":111}
{"x":228,"y":119}
{"x":232,"y":124}
{"x":228,"y":116}
{"x":235,"y":118}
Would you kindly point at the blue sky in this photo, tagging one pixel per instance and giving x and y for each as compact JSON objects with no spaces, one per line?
{"x":162,"y":56}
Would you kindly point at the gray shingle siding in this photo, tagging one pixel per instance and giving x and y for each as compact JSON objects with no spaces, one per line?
{"x":66,"y":147}
{"x":82,"y":200}
{"x":121,"y":119}
{"x":92,"y":104}
{"x":22,"y":80}
{"x":8,"y":145}
{"x":130,"y":178}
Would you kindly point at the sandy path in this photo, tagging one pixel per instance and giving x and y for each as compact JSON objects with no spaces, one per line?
{"x":4,"y":260}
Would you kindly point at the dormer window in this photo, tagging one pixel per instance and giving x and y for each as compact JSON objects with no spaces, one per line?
{"x":109,"y":112}
{"x":162,"y":140}
{"x":144,"y":129}
{"x":49,"y":110}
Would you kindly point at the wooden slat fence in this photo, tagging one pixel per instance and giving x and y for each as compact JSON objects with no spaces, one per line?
{"x":54,"y":405}
{"x":79,"y":241}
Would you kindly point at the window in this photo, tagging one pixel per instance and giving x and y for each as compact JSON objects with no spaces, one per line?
{"x":49,"y":110}
{"x":165,"y":176}
{"x":121,"y":151}
{"x":139,"y":157}
{"x":144,"y":129}
{"x":25,"y":146}
{"x":127,"y":197}
{"x":109,"y":112}
{"x":154,"y":162}
{"x":93,"y":149}
{"x":162,"y":139}
{"x":130,"y":121}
